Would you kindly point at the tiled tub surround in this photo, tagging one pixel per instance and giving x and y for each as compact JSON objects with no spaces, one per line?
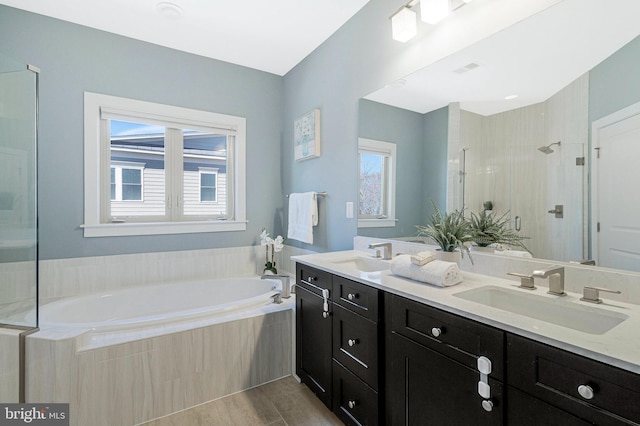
{"x":125,"y":378}
{"x":130,"y":383}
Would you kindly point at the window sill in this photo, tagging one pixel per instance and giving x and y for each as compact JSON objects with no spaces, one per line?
{"x":376,"y":223}
{"x":161,"y":228}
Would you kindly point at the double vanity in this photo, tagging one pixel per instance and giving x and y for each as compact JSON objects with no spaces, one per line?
{"x":377,"y":348}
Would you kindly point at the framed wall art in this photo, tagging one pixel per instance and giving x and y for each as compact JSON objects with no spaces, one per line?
{"x":306,"y":136}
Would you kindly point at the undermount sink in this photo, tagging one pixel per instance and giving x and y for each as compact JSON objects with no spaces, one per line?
{"x":363,"y":264}
{"x":586,"y":319}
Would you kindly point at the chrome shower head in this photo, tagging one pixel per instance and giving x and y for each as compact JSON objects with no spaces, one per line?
{"x":547,"y":149}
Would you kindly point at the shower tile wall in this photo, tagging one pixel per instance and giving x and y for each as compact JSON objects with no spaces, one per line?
{"x":504,"y":166}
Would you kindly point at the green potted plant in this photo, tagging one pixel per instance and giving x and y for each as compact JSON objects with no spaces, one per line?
{"x":489,"y":229}
{"x":450,"y":231}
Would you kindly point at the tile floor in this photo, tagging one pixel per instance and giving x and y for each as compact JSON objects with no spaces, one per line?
{"x":284,"y":402}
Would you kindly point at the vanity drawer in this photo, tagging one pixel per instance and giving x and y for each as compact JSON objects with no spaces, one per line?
{"x":354,"y":402}
{"x":359,"y":298}
{"x":313,"y":279}
{"x":355,"y":344}
{"x":459,"y":338}
{"x":554,"y":375}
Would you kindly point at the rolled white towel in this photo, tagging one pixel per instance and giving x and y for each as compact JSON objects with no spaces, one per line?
{"x":514,"y":253}
{"x":422,"y":258}
{"x":437,"y":272}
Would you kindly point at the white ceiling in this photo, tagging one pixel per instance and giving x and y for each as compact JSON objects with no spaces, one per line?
{"x":268,"y":35}
{"x":533,"y":59}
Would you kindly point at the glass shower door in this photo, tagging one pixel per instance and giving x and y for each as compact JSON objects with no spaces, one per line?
{"x":18,"y":214}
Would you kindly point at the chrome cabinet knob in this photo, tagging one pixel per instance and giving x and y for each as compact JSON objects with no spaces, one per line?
{"x":325,"y":314}
{"x":352,"y":296}
{"x":353,"y":342}
{"x":436,"y":331}
{"x":586,"y":391}
{"x":352,"y":403}
{"x":487,"y":404}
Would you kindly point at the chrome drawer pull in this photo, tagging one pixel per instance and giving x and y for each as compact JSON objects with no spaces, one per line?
{"x":352,"y":403}
{"x":436,"y":331}
{"x":326,"y":314}
{"x":352,"y":296}
{"x":353,"y":342}
{"x":585,"y":391}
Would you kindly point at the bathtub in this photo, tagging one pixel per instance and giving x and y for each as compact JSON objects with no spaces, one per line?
{"x":136,"y":354}
{"x":153,"y":305}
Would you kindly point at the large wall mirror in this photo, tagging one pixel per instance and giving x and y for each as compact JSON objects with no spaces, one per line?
{"x":523,"y":119}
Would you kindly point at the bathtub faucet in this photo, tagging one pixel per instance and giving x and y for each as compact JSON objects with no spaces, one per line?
{"x":286,"y":288}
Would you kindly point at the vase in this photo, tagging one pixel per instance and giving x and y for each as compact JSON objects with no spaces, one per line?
{"x":488,"y":249}
{"x":449,"y":256}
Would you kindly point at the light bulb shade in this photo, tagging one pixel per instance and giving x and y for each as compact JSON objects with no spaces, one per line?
{"x":403,"y":25}
{"x":433,"y":11}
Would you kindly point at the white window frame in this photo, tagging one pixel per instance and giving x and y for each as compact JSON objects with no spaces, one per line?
{"x":208,"y":171}
{"x":388,"y":150}
{"x":97,"y":177}
{"x":120,"y":165}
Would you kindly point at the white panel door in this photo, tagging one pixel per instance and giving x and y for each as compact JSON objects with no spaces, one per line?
{"x":616,"y":198}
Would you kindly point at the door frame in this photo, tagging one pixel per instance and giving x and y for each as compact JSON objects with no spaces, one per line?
{"x":596,"y":127}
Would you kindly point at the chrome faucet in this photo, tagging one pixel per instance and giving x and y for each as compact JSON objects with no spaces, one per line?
{"x":386,"y":250}
{"x":284,"y":279}
{"x":556,"y":279}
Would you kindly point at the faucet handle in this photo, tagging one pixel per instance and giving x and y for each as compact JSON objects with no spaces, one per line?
{"x":526,"y":281}
{"x":592,"y":294}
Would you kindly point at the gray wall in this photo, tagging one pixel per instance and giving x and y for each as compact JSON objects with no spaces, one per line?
{"x":615,"y":82}
{"x":405,"y":129}
{"x":74,"y":59}
{"x":358,"y":59}
{"x":421,"y":141}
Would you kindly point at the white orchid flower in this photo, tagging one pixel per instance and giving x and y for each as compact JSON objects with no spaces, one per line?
{"x":278,"y":243}
{"x":264,"y":237}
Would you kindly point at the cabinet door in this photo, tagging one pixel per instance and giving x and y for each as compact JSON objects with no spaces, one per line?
{"x":594,"y":391}
{"x":525,"y":410}
{"x":427,"y":388}
{"x":313,"y":344}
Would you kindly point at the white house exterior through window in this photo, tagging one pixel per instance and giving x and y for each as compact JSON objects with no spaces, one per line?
{"x":157,"y":169}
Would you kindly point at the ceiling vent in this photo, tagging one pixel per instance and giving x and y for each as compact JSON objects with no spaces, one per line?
{"x":470,"y":66}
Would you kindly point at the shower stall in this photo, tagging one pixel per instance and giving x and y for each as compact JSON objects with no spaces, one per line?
{"x":18,"y":221}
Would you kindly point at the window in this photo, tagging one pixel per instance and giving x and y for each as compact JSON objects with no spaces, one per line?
{"x":126,"y":183}
{"x":159,"y":169}
{"x":208,"y":186}
{"x":376,"y":165}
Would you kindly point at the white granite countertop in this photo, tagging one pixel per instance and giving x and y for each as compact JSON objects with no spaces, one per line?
{"x":620,"y":346}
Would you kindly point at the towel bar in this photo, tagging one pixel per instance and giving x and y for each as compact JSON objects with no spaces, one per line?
{"x":319,"y":194}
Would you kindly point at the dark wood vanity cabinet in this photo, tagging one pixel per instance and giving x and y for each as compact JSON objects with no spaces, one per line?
{"x":432,"y":367}
{"x":567,"y":385}
{"x":378,"y":358}
{"x":338,"y":344}
{"x":314,"y":331}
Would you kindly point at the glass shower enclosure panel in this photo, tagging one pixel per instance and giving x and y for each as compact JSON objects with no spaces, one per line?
{"x":18,"y":201}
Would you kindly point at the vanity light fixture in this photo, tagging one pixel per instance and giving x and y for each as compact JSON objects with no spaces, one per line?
{"x":433,"y":11}
{"x":403,"y":21}
{"x":403,"y":24}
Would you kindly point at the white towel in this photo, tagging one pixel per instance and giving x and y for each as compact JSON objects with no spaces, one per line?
{"x":437,"y":272}
{"x":303,"y":216}
{"x":514,"y":253}
{"x":422,"y":258}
